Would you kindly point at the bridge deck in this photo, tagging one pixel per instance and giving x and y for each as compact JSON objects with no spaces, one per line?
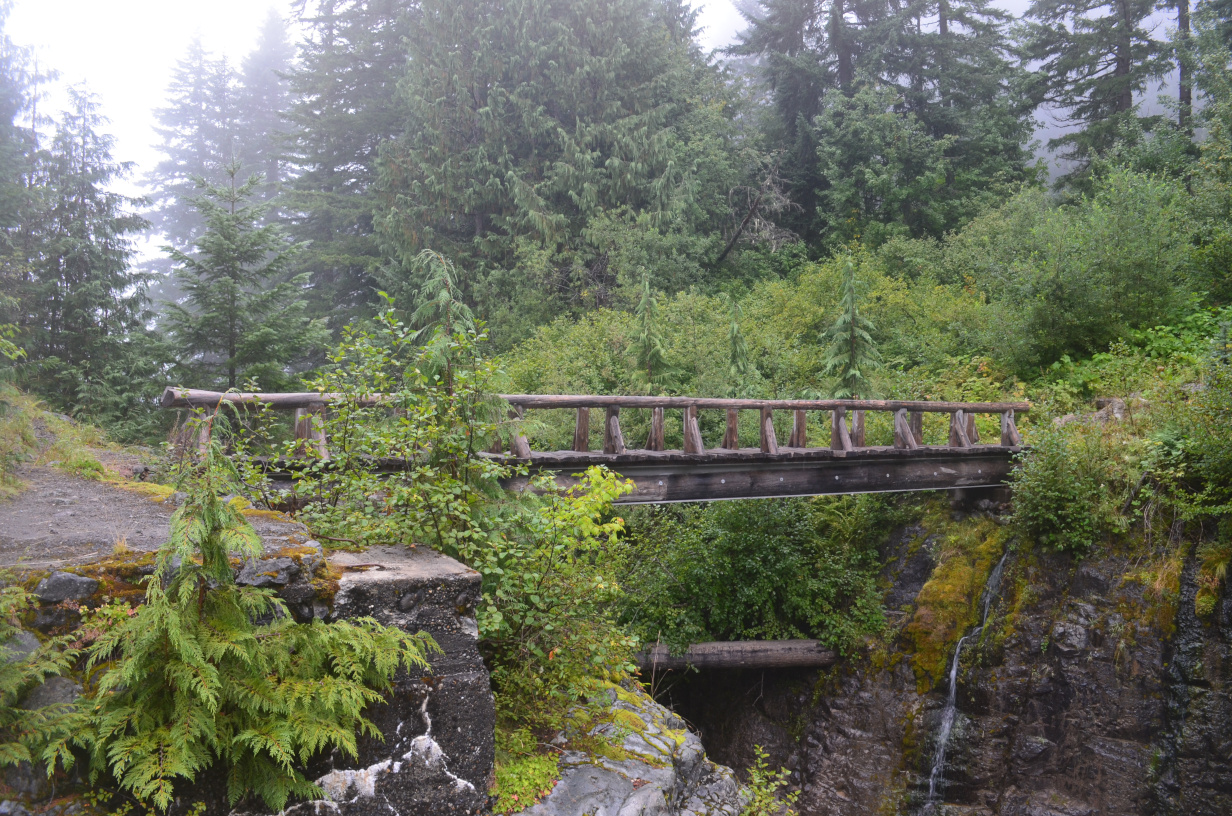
{"x":746,"y":473}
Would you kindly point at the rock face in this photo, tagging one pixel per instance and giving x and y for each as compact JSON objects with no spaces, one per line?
{"x":1086,"y":694}
{"x":665,"y":771}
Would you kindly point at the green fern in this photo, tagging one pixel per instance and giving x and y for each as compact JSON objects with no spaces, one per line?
{"x":193,"y":681}
{"x":41,"y":734}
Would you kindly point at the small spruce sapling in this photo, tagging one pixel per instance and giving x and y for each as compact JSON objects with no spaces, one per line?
{"x":850,"y":349}
{"x":208,"y":673}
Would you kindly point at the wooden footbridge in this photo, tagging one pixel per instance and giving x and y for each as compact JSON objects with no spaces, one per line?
{"x":695,"y":472}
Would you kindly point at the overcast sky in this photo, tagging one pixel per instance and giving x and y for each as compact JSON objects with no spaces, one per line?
{"x":124,"y":50}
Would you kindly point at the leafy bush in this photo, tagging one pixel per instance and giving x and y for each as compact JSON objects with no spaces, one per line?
{"x":763,"y":786}
{"x":1062,"y":493}
{"x":39,"y":734}
{"x":549,"y":579}
{"x":762,"y":569}
{"x":209,"y":673}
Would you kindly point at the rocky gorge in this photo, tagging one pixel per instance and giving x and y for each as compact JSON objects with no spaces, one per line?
{"x":1093,"y":688}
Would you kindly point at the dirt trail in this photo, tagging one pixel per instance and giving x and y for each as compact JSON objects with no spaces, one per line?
{"x":61,"y":519}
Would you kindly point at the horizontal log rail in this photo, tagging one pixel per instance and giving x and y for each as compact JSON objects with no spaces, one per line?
{"x":847,"y":418}
{"x":739,"y":654}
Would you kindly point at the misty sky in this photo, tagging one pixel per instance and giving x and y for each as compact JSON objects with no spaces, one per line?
{"x":124,"y":50}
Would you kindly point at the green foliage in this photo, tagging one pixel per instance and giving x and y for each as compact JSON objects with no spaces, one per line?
{"x":763,"y":786}
{"x":1064,"y":490}
{"x":850,"y":350}
{"x":35,"y":735}
{"x":652,"y":365}
{"x":550,"y":589}
{"x":523,"y":775}
{"x":239,"y":318}
{"x":210,"y":675}
{"x":549,"y":579}
{"x":751,"y":570}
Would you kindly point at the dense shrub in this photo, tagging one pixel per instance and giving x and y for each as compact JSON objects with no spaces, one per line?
{"x":763,"y":569}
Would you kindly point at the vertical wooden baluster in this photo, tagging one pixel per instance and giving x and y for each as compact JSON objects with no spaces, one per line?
{"x":613,"y":439}
{"x":799,"y":430}
{"x":1009,"y":431}
{"x":303,"y":431}
{"x":203,"y":434}
{"x":840,"y":440}
{"x":316,"y":418}
{"x":692,"y":432}
{"x":581,"y":431}
{"x":655,"y":441}
{"x":916,"y":420}
{"x":520,"y":447}
{"x":731,"y":436}
{"x":973,"y":433}
{"x":904,"y":437}
{"x":857,"y":429}
{"x":958,"y":430}
{"x":769,"y":443}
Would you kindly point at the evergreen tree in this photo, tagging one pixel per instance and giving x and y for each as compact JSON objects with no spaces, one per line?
{"x":198,"y":129}
{"x":648,"y":343}
{"x":554,"y":129}
{"x":80,"y":299}
{"x":240,"y":318}
{"x":1090,"y":57}
{"x":345,"y":106}
{"x":263,"y":97}
{"x":850,"y":351}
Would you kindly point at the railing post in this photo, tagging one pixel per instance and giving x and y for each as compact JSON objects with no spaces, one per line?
{"x":916,"y":420}
{"x":840,"y":440}
{"x":769,"y":443}
{"x":973,"y":433}
{"x":857,"y":429}
{"x":904,"y":437}
{"x":958,"y":430}
{"x":692,"y":433}
{"x":731,"y":436}
{"x":799,"y":430}
{"x":613,"y":440}
{"x":655,"y":441}
{"x":310,"y":427}
{"x":1009,"y":431}
{"x":581,"y":431}
{"x":519,"y":446}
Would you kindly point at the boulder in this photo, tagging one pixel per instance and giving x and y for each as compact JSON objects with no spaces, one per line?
{"x":65,"y":586}
{"x":665,"y":772}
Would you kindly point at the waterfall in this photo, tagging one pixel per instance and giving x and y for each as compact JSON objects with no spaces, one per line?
{"x":951,"y":701}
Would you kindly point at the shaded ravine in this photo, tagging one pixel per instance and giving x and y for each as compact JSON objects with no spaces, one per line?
{"x":945,"y":730}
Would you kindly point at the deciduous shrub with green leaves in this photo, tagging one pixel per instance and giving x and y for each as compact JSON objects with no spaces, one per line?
{"x":761,"y":569}
{"x":211,"y":675}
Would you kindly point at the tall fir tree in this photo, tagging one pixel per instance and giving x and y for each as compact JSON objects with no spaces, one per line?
{"x":345,"y":105}
{"x":263,"y":99}
{"x":198,"y":132}
{"x":240,"y":317}
{"x":1090,"y":58}
{"x":80,"y":300}
{"x":652,"y":367}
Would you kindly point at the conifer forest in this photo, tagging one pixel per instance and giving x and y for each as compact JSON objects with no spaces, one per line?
{"x":412,"y":207}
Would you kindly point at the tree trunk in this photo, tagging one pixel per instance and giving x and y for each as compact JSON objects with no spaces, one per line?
{"x":1184,"y":88}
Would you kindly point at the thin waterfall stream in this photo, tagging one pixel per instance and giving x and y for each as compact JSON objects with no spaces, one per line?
{"x":951,"y":701}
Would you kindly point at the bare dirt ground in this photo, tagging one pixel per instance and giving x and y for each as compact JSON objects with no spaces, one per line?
{"x":60,"y":519}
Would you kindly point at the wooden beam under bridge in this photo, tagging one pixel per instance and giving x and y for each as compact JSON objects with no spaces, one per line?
{"x":661,"y":477}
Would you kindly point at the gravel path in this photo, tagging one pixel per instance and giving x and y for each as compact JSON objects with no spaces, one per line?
{"x":62,"y":519}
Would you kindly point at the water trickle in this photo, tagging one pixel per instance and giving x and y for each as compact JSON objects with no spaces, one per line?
{"x":951,"y":701}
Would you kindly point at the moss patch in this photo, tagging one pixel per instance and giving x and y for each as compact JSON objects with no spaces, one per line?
{"x":948,"y":604}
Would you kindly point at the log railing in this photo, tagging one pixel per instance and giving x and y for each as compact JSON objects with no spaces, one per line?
{"x":846,"y":418}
